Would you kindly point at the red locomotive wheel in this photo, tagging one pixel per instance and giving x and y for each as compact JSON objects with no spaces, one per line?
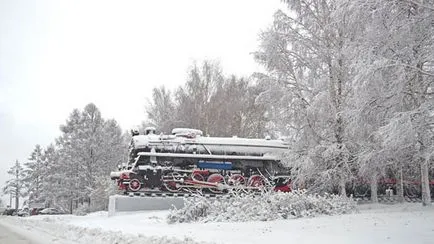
{"x":171,"y":186}
{"x":134,"y":185}
{"x":256,"y":181}
{"x":216,"y":178}
{"x":236,"y":180}
{"x":197,"y":176}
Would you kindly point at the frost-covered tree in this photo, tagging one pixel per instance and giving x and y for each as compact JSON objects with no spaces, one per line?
{"x":161,"y":110}
{"x":350,"y":83}
{"x":234,"y":104}
{"x":369,"y":109}
{"x":308,"y":82}
{"x":34,"y":173}
{"x":396,"y":57}
{"x":69,"y":165}
{"x":16,"y":186}
{"x":233,"y":110}
{"x":104,"y":188}
{"x":218,"y":105}
{"x":194,"y":98}
{"x":53,"y":174}
{"x":89,"y":147}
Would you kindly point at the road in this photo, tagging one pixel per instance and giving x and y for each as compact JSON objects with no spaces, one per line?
{"x":9,"y":237}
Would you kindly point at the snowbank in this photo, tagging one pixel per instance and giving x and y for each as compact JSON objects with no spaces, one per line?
{"x":263,"y":207}
{"x":59,"y":230}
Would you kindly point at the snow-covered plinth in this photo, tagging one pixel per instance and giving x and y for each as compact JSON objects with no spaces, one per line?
{"x":126,"y":203}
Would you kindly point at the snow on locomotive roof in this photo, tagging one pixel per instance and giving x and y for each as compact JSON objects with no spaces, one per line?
{"x":196,"y":136}
{"x":227,"y":143}
{"x":237,"y":141}
{"x":209,"y":156}
{"x":187,"y":131}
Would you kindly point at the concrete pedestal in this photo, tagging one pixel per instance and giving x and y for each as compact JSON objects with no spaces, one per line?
{"x":118,"y":203}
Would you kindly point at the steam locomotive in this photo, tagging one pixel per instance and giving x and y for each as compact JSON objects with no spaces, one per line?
{"x":187,"y":161}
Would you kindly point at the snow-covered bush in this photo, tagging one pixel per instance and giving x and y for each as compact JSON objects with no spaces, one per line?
{"x":263,"y":207}
{"x":82,"y":210}
{"x":99,"y":195}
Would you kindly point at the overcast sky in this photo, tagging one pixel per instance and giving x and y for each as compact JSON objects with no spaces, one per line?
{"x":59,"y":55}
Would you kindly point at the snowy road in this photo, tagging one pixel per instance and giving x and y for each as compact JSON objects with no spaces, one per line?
{"x":388,"y":224}
{"x":10,"y":237}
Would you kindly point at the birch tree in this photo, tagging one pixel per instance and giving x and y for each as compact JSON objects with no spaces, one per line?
{"x":398,"y":48}
{"x":211,"y":102}
{"x":306,"y":55}
{"x":161,"y":110}
{"x":194,"y":98}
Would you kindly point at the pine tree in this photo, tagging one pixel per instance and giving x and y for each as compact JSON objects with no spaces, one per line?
{"x":89,"y":148}
{"x":16,"y":187}
{"x":34,"y":173}
{"x":52,"y":177}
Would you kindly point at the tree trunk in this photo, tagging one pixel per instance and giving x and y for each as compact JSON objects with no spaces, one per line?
{"x":17,"y":186}
{"x":374,"y":188}
{"x":426,"y":194}
{"x":342,"y":189}
{"x":70,"y":205}
{"x":17,"y":200}
{"x":400,"y":186}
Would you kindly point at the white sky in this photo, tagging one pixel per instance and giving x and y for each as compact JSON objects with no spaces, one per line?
{"x":59,"y":55}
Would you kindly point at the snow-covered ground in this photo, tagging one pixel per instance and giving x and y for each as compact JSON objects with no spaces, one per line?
{"x":403,"y":223}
